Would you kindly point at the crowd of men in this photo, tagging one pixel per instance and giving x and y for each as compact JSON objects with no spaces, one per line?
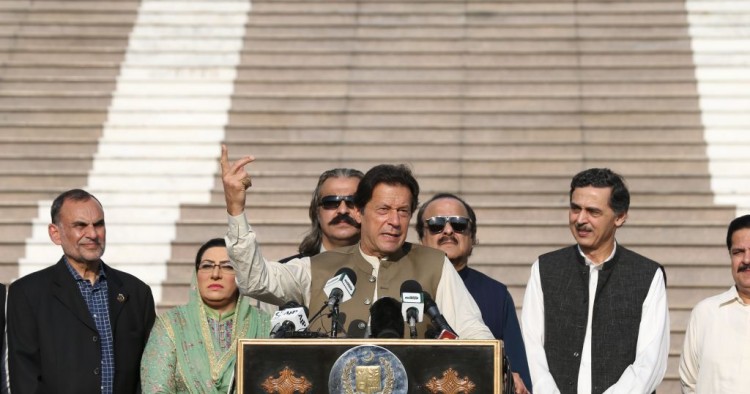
{"x":594,"y":319}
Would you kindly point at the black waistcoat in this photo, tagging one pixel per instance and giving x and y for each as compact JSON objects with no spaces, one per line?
{"x":621,"y":289}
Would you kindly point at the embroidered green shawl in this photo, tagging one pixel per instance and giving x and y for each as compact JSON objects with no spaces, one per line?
{"x":198,"y":360}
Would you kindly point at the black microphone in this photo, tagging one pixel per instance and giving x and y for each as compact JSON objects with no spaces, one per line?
{"x":289,"y":318}
{"x":385,"y":318}
{"x":341,"y":287}
{"x":431,"y":308}
{"x":412,"y":305}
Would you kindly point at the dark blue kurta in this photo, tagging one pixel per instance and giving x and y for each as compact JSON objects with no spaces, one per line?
{"x":499,"y":314}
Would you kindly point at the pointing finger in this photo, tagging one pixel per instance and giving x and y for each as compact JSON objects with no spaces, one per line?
{"x":224,"y":161}
{"x":241,"y":163}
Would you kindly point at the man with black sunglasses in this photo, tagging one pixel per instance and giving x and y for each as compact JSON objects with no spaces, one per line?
{"x":448,"y":223}
{"x":385,"y":199}
{"x":333,"y":222}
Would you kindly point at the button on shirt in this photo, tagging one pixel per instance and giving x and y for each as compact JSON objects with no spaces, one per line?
{"x":97,"y":301}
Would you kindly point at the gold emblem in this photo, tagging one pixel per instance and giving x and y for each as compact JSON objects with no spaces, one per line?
{"x":450,"y":384}
{"x":287,"y":383}
{"x":121,"y":298}
{"x":368,"y":379}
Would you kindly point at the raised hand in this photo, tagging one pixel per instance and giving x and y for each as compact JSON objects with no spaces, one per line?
{"x":236,"y":181}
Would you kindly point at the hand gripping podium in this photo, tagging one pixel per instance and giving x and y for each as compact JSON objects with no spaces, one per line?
{"x":369,"y":366}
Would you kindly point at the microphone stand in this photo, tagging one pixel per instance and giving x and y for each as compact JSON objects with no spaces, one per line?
{"x":334,"y":320}
{"x":412,"y":327}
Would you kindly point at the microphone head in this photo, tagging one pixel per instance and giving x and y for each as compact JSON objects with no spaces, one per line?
{"x":294,"y":318}
{"x":412,"y":302}
{"x":411,"y":286}
{"x":430,"y":307}
{"x":385,"y":319}
{"x":341,"y":287}
{"x":348,"y":272}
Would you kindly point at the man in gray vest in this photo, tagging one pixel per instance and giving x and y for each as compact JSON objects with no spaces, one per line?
{"x":384,"y":202}
{"x":595,"y":317}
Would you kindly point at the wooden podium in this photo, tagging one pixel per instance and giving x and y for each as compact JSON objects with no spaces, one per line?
{"x":369,"y":366}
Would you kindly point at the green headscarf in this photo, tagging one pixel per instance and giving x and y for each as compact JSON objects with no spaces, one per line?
{"x":202,"y":366}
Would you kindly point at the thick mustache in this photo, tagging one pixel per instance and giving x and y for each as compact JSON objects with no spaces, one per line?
{"x":743,"y":267}
{"x":582,"y":227}
{"x":446,"y":239}
{"x":344,"y":218}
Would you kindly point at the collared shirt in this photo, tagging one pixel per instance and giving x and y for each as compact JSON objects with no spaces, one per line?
{"x":97,"y":301}
{"x":716,"y":351}
{"x":652,"y":348}
{"x":278,"y":283}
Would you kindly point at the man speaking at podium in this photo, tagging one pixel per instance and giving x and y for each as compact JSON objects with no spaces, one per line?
{"x":385,"y":200}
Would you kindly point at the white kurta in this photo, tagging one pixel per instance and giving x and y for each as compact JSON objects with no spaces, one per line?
{"x":716,"y":353}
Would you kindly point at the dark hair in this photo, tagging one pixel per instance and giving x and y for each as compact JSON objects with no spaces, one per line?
{"x":419,"y":225}
{"x":619,"y":200}
{"x":391,"y":175}
{"x":211,"y":243}
{"x":73,"y":195}
{"x":310,"y":245}
{"x":737,"y":224}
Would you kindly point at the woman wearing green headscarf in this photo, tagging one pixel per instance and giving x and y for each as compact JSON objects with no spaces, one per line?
{"x":192,"y":347}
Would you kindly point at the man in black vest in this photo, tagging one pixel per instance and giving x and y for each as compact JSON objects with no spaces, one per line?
{"x":595,"y":315}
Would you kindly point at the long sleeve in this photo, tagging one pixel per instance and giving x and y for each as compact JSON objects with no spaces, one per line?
{"x":690,"y":357}
{"x":266,"y":281}
{"x":23,"y":345}
{"x":458,"y":306}
{"x":513,"y":340}
{"x":159,"y":362}
{"x":532,"y":327}
{"x":652,"y":350}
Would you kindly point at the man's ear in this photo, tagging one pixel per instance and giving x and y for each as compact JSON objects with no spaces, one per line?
{"x":54,"y":233}
{"x":621,"y":219}
{"x":357,"y":215}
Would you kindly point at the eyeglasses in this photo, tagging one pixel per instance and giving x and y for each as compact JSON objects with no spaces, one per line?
{"x":436,"y":224}
{"x":332,"y":202}
{"x":208,"y":266}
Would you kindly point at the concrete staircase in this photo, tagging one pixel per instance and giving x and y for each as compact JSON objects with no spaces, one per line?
{"x":499,"y":101}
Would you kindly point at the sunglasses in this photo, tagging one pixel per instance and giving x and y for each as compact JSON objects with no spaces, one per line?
{"x":436,"y":224}
{"x":332,"y":202}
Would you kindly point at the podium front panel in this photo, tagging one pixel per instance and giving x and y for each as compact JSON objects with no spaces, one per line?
{"x":355,"y":366}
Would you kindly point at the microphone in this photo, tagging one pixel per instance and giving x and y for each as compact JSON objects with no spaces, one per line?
{"x":341,"y":287}
{"x":430,"y":307}
{"x":412,"y":305}
{"x":385,"y":318}
{"x":289,"y":318}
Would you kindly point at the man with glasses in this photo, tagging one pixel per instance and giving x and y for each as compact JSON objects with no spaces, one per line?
{"x":595,"y":315}
{"x":448,"y":223}
{"x":384,"y":202}
{"x":333,"y":224}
